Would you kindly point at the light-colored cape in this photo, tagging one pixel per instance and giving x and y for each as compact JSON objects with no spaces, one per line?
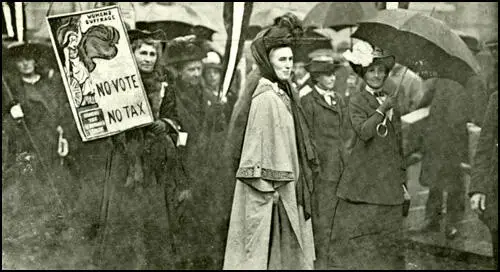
{"x":267,"y":173}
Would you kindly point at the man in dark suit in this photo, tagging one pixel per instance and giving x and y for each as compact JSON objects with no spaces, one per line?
{"x":369,"y":215}
{"x":325,"y":112}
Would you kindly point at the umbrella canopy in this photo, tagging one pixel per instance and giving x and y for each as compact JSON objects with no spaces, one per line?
{"x":175,"y":19}
{"x":338,"y":15}
{"x":314,"y":39}
{"x":265,"y":18}
{"x":424,"y":44}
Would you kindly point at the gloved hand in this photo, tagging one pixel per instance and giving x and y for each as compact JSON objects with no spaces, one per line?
{"x":387,"y":104}
{"x":184,"y":195}
{"x":158,"y":127}
{"x":16,"y":112}
{"x":478,"y":202}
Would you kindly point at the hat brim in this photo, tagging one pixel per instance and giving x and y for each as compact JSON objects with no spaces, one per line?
{"x":387,"y":61}
{"x":136,"y":34}
{"x":212,"y":65}
{"x":28,"y":50}
{"x":184,"y":58}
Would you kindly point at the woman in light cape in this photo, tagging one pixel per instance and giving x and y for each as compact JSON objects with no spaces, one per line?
{"x":270,"y":225}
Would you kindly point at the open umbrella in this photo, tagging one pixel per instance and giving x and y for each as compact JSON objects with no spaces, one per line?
{"x":423,"y":44}
{"x":175,"y":19}
{"x":315,"y":38}
{"x":264,"y":18}
{"x":339,"y":15}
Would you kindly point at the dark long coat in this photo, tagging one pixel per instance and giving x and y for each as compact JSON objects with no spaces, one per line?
{"x":197,"y":115}
{"x":41,"y":108}
{"x":368,"y":217}
{"x":485,"y":168}
{"x":142,"y":224}
{"x":445,"y":142}
{"x":375,"y":169}
{"x":327,"y":126}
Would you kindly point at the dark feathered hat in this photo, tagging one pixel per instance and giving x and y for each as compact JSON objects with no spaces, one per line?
{"x":183,"y":49}
{"x":286,"y":31}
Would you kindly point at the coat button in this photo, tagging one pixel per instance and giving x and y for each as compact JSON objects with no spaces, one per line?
{"x":257,"y":171}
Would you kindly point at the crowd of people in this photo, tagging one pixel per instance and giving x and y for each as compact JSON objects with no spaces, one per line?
{"x":303,"y":168}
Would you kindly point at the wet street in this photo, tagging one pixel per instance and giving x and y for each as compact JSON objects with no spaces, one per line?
{"x":33,"y":239}
{"x":471,"y":249}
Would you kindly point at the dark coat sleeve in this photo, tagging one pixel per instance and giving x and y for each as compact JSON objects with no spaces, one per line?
{"x":168,"y":107}
{"x":486,"y":157}
{"x":307,"y":107}
{"x":364,"y":120}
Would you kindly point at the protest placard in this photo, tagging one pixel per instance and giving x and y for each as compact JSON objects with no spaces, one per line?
{"x":101,"y":78}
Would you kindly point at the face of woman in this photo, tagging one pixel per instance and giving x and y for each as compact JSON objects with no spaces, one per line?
{"x":26,"y":66}
{"x":375,"y":76}
{"x":326,"y":81}
{"x":191,"y":72}
{"x":73,"y":41}
{"x":146,"y":57}
{"x":282,"y":62}
{"x":212,"y":76}
{"x":299,"y":70}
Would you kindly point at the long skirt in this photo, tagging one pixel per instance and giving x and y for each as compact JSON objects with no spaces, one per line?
{"x":366,"y":236}
{"x":324,"y":203}
{"x":261,"y":235}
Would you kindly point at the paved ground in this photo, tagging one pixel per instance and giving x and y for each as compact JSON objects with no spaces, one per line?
{"x":471,"y":247}
{"x":32,"y":239}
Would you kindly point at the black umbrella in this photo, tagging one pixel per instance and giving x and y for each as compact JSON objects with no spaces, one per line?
{"x":339,"y":15}
{"x":423,"y":44}
{"x":175,"y":19}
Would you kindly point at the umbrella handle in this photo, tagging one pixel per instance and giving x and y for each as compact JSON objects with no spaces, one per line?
{"x":382,"y":128}
{"x":396,"y":92}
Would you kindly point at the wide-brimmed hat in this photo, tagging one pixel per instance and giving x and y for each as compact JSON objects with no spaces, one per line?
{"x":364,"y":55}
{"x":135,"y":34}
{"x":212,"y":60}
{"x":28,"y":50}
{"x":323,"y":64}
{"x":183,"y":49}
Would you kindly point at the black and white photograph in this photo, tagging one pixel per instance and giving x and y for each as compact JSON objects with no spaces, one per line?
{"x":250,"y":135}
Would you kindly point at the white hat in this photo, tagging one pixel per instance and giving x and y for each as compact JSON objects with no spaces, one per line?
{"x":212,"y":59}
